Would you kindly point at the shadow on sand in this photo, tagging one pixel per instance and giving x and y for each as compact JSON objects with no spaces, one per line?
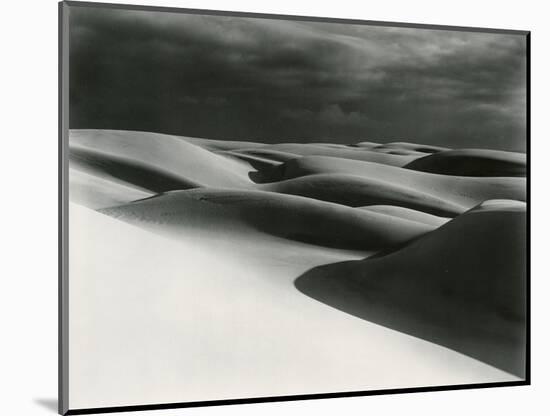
{"x":450,"y":287}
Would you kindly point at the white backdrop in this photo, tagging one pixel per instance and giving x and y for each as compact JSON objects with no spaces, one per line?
{"x":28,"y":305}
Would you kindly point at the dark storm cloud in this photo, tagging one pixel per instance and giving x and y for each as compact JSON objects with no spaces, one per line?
{"x":274,"y":80}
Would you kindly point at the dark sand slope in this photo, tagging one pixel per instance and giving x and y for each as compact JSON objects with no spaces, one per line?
{"x":473,"y":162}
{"x":461,"y":286}
{"x":461,"y":191}
{"x":357,"y":191}
{"x":284,"y":216}
{"x":167,"y":155}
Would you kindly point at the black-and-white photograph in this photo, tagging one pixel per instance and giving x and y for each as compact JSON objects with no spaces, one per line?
{"x":277,"y":206}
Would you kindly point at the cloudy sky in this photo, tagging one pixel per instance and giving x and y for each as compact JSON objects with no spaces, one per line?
{"x":279,"y":81}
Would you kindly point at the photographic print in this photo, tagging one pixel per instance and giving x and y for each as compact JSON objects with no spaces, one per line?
{"x":266,"y":207}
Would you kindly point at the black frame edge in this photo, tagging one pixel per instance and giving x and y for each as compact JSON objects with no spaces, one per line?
{"x":60,"y":395}
{"x":227,"y":402}
{"x":528,"y":200}
{"x":63,"y":289}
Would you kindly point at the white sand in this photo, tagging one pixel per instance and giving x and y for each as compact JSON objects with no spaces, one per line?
{"x":155,"y":320}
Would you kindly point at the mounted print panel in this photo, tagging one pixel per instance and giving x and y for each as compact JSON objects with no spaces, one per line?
{"x":262,"y":207}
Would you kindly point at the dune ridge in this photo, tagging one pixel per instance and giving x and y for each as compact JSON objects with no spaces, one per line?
{"x":356,"y":191}
{"x":286,"y":216}
{"x":134,"y":159}
{"x":458,"y":190}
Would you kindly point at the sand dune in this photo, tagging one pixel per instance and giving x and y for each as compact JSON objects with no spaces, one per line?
{"x":338,"y":266}
{"x":473,"y":162}
{"x":461,"y":286}
{"x":128,"y":171}
{"x":356,"y":191}
{"x":160,"y":163}
{"x":163,"y":153}
{"x":463,"y":191}
{"x":285,"y":216}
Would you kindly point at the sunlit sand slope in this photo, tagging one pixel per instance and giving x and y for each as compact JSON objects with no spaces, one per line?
{"x":215,"y":315}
